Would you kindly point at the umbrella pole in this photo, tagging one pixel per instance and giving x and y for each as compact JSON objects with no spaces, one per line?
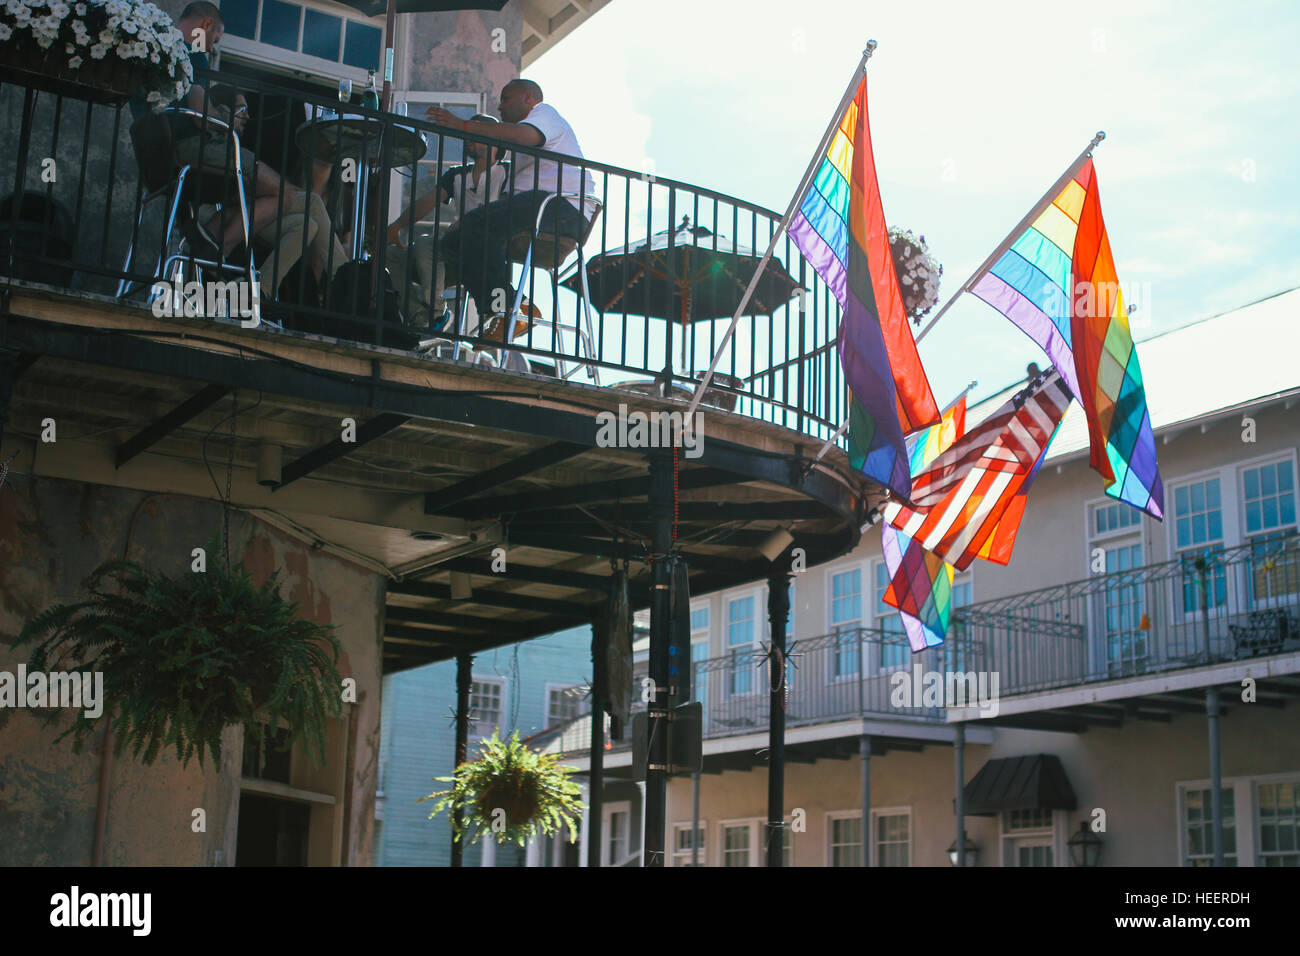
{"x":390,"y":27}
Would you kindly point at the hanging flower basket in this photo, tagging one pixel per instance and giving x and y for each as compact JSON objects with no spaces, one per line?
{"x":103,"y":51}
{"x":512,"y":792}
{"x":918,"y":272}
{"x":183,"y":658}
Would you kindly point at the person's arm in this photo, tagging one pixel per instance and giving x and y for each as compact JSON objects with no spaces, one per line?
{"x":423,"y":206}
{"x":524,"y":134}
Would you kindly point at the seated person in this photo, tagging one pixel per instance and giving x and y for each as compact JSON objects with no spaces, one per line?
{"x":209,"y":146}
{"x":466,"y":187}
{"x":302,"y":229}
{"x":481,"y":237}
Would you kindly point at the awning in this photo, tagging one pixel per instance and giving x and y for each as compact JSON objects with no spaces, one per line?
{"x":1036,"y":782}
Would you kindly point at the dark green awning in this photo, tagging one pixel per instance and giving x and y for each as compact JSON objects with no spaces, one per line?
{"x":1036,"y":782}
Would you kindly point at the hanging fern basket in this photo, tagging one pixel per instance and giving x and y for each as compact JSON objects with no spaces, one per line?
{"x":185,"y":657}
{"x":511,"y":792}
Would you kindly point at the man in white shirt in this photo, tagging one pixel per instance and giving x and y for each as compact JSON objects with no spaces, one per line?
{"x":476,"y":249}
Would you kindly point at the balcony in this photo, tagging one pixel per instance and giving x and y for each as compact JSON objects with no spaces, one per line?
{"x":1150,"y":620}
{"x":71,"y":234}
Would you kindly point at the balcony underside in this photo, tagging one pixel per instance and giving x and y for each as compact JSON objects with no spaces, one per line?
{"x":446,"y":463}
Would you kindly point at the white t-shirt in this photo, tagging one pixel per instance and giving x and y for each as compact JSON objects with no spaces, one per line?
{"x":559,"y":138}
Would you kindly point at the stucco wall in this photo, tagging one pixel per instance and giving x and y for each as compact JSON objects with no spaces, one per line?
{"x":52,"y":534}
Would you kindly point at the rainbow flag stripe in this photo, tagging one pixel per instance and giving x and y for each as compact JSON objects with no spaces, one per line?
{"x":920,"y":584}
{"x":1058,"y":284}
{"x":840,"y":228}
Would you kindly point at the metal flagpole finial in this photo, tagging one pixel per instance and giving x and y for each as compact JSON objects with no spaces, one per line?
{"x":1101,"y":134}
{"x":869,"y":49}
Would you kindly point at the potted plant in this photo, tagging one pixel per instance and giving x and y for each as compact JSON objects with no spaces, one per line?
{"x":101,"y":50}
{"x":918,"y":272}
{"x":185,"y":657}
{"x":511,"y":791}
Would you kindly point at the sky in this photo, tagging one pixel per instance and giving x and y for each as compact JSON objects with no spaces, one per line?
{"x":975,"y":110}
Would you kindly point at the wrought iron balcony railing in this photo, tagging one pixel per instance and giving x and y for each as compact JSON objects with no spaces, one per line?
{"x":666,"y":259}
{"x":1223,"y":605}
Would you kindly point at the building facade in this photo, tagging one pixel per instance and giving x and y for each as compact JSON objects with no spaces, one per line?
{"x":1097,"y":646}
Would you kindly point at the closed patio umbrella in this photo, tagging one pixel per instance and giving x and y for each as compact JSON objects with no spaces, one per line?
{"x":707,"y":278}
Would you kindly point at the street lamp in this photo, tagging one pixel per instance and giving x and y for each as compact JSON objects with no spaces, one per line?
{"x":972,"y":853}
{"x":1085,"y":846}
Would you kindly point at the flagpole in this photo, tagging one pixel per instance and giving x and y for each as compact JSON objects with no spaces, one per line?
{"x":1053,"y":191}
{"x":947,"y":408}
{"x":816,"y":161}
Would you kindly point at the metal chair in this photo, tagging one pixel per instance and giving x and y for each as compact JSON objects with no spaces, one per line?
{"x":537,"y":250}
{"x":189,"y":187}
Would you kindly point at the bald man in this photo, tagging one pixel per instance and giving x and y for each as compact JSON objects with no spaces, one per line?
{"x":476,"y":248}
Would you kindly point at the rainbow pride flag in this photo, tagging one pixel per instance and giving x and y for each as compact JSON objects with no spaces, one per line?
{"x":1057,"y":283}
{"x":840,"y":228}
{"x":920,"y":582}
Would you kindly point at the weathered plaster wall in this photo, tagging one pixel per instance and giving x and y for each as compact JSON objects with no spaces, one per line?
{"x":459,"y":51}
{"x":52,"y":534}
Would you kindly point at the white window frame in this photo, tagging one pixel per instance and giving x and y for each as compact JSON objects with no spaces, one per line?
{"x":267,"y":54}
{"x":606,"y":814}
{"x":877,"y":620}
{"x":674,"y":855}
{"x":753,"y":839}
{"x":832,"y":815}
{"x":476,"y":732}
{"x":725,"y":638}
{"x":867,"y":583}
{"x":556,"y":685}
{"x":1255,"y":821}
{"x":911,"y":832}
{"x":1243,"y":819}
{"x":1052,"y":835}
{"x":1227,"y":477}
{"x":1260,"y":602}
{"x":757,"y":834}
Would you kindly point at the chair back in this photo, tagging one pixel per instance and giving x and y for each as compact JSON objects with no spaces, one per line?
{"x":550,"y":251}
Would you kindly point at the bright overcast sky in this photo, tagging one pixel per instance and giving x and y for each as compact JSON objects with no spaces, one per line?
{"x":975,"y":110}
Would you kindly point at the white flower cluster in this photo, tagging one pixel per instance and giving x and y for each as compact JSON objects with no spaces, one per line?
{"x":131,"y":31}
{"x":918,"y":272}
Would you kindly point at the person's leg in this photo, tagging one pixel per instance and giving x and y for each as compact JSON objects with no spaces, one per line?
{"x":476,"y":248}
{"x":289,"y":248}
{"x":327,"y":253}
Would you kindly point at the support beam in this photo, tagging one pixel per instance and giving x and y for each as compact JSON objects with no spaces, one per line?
{"x":1216,"y":775}
{"x":959,"y":759}
{"x":691,"y":512}
{"x":611,"y":490}
{"x":490,"y":598}
{"x":660,"y":489}
{"x":464,"y":621}
{"x":864,"y":754}
{"x":149,"y":436}
{"x":599,"y":692}
{"x":527,"y":464}
{"x":778,"y":610}
{"x":464,"y":676}
{"x":376,"y":427}
{"x":514,"y":571}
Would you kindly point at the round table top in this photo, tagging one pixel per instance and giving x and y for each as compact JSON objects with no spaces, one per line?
{"x":352,"y":135}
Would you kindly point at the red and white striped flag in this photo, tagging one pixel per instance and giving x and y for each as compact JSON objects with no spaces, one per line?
{"x":962,"y":496}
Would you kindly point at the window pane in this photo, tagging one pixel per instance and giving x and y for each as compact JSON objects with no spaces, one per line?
{"x":321,"y":35}
{"x":240,"y":17}
{"x":280,"y":24}
{"x":361,"y":49}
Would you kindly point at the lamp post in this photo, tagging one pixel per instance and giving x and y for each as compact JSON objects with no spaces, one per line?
{"x":972,"y":853}
{"x":1085,"y":846}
